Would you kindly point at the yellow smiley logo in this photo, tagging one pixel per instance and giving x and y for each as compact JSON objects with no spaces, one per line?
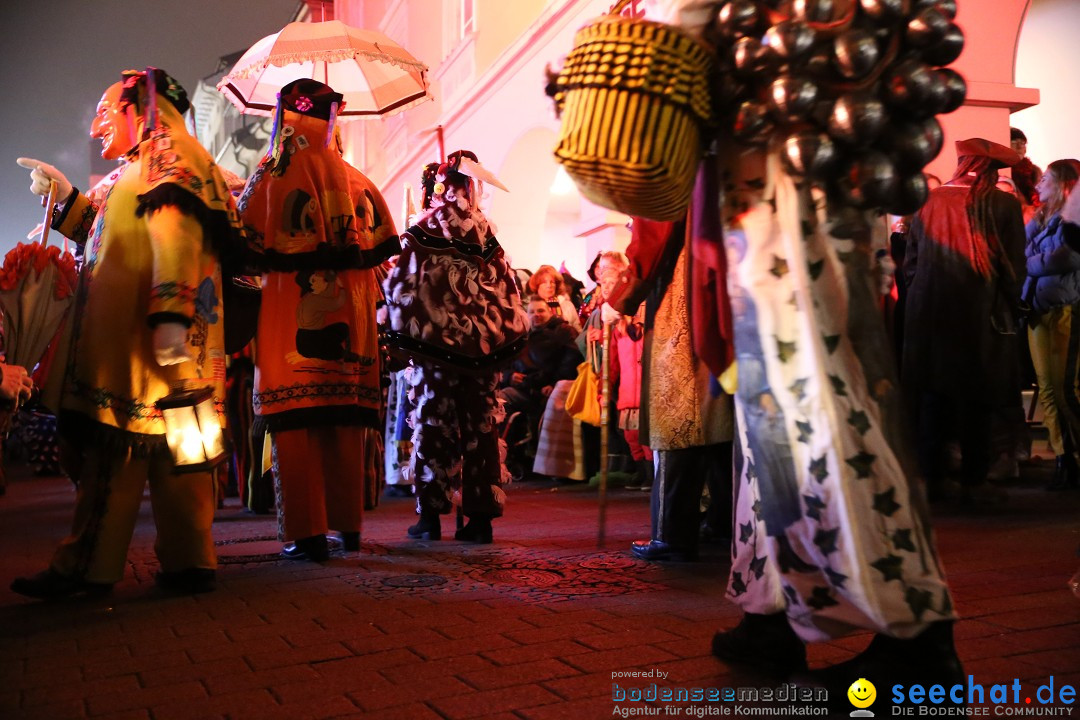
{"x":862,"y":693}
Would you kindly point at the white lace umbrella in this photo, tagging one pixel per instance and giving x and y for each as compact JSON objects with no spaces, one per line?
{"x":375,"y":74}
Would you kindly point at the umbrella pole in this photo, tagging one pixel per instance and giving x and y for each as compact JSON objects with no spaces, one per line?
{"x":605,"y":395}
{"x":49,"y":201}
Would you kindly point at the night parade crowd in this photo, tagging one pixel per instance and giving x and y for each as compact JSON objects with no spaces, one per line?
{"x":750,"y":348}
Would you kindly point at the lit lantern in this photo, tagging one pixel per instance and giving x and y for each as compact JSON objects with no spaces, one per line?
{"x":192,"y":429}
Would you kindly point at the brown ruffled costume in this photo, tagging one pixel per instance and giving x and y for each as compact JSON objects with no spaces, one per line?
{"x":455,"y":311}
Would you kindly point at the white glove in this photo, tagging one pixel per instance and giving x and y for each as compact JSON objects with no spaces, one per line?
{"x":609,"y":314}
{"x":170,"y":344}
{"x":40,"y":175}
{"x":1070,"y":211}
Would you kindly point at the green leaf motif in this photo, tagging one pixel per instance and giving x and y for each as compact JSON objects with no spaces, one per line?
{"x":756,"y":509}
{"x":819,"y":468}
{"x":821,"y":598}
{"x":885,"y":502}
{"x":860,"y":421}
{"x":918,"y":600}
{"x":862,"y":464}
{"x":901,"y":540}
{"x":838,"y":385}
{"x":798,"y":388}
{"x":826,"y":540}
{"x":757,"y":566}
{"x":831,"y":343}
{"x":779,"y":267}
{"x":890,"y":566}
{"x":805,"y":430}
{"x":791,"y":597}
{"x":814,"y":506}
{"x":815,"y":269}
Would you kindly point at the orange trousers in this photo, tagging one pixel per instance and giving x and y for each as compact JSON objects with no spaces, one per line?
{"x":322,"y":474}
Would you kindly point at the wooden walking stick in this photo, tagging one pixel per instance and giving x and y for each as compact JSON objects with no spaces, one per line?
{"x":605,"y":394}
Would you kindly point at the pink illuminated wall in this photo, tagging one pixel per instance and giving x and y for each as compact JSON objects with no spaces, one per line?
{"x":488,"y":88}
{"x":1049,"y":58}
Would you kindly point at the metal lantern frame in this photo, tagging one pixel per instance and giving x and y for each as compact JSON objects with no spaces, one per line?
{"x":193,"y":429}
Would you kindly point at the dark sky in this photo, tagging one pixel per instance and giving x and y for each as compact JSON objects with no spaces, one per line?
{"x":58,"y":56}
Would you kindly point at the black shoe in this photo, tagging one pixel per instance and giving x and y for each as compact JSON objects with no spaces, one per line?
{"x":350,"y":541}
{"x":763,"y":642}
{"x":51,"y":585}
{"x":477,"y":530}
{"x":314,"y":548}
{"x":1066,"y":474}
{"x":427,"y":528}
{"x":926,"y":659}
{"x":399,"y":491}
{"x":187,"y":582}
{"x":657,"y":550}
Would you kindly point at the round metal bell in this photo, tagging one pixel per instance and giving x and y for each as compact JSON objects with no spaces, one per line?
{"x":927,"y":28}
{"x":791,"y":98}
{"x":791,"y":40}
{"x":856,"y":53}
{"x":820,"y":11}
{"x":753,"y":58}
{"x":910,"y":195}
{"x":808,"y":154}
{"x":886,"y":11}
{"x":948,"y":7}
{"x":910,"y":84}
{"x":914,"y":144}
{"x":870,"y":181}
{"x":947,"y":49}
{"x":955,"y":89}
{"x":857,"y":118}
{"x":752,"y":122}
{"x":738,"y":18}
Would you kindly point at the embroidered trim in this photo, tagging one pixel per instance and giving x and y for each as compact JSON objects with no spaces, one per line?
{"x":308,"y":391}
{"x":171,"y":290}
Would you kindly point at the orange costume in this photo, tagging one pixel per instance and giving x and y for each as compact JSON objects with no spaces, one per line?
{"x":318,"y":228}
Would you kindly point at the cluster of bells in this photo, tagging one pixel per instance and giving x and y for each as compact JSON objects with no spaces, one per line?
{"x":849,"y":88}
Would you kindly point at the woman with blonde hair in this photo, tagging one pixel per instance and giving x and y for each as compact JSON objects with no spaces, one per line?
{"x":548,"y":284}
{"x":1052,"y":290}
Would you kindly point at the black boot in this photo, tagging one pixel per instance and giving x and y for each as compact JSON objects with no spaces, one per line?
{"x":1066,"y":473}
{"x":314,"y":548}
{"x":350,"y":541}
{"x":428,"y":527}
{"x":927,"y":659}
{"x":477,"y":530}
{"x":51,"y":585}
{"x":763,"y":642}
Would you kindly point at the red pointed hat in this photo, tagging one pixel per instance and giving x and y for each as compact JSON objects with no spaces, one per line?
{"x":1000,"y":155}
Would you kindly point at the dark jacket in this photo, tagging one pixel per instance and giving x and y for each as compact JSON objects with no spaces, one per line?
{"x":1053,"y":267}
{"x":550,"y":355}
{"x":954,"y":341}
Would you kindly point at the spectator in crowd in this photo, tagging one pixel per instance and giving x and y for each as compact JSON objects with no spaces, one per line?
{"x":550,"y":355}
{"x":1052,"y":290}
{"x":963,"y":268}
{"x":547,"y":283}
{"x":1025,"y":175}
